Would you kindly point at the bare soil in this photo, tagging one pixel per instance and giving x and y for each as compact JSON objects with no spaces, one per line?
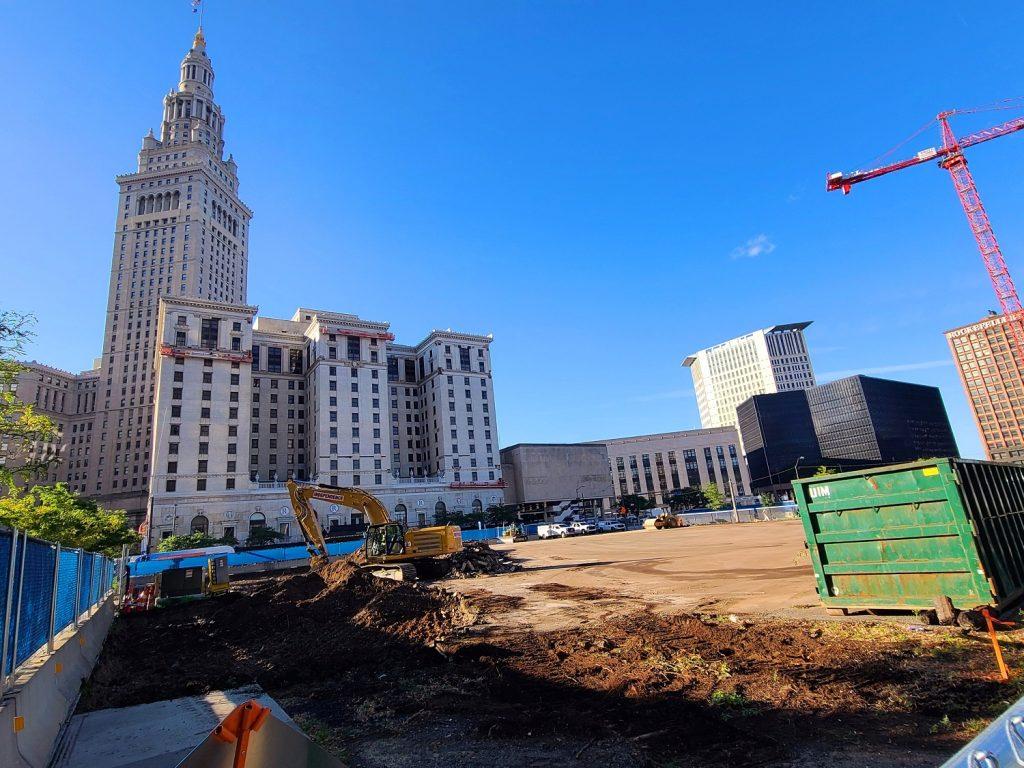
{"x":385,"y":673}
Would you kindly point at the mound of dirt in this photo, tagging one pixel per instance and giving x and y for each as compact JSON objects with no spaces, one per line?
{"x":285,"y":631}
{"x":404,"y":675}
{"x":477,"y":559}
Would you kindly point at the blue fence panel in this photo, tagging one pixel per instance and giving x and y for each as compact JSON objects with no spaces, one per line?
{"x":5,"y":563}
{"x":36,"y":594}
{"x":85,"y":583}
{"x":485,"y":534}
{"x":67,"y":581}
{"x":267,"y":556}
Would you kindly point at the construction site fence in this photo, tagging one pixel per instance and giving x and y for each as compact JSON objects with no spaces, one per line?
{"x":742,"y":515}
{"x":288,"y":555}
{"x":272,"y":557}
{"x":44,"y":588}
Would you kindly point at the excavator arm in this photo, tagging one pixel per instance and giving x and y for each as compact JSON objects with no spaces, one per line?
{"x":309,"y":521}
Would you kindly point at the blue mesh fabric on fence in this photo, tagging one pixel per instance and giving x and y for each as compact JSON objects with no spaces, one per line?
{"x":85,"y":583}
{"x":67,"y":598}
{"x":34,"y":570}
{"x":36,"y":596}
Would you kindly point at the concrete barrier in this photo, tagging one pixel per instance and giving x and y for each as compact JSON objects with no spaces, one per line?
{"x":45,"y":689}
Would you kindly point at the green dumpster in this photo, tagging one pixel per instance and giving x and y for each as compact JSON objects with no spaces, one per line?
{"x":898,"y":537}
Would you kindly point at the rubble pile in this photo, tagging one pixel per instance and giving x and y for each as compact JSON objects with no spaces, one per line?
{"x":477,"y":558}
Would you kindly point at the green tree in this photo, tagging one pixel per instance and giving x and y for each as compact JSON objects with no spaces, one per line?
{"x":634,"y":503}
{"x":825,"y":471}
{"x":191,"y":541}
{"x":260,"y":535}
{"x":714,"y":496}
{"x":498,"y":514}
{"x":686,"y":498}
{"x":58,"y":514}
{"x":20,"y":425}
{"x":767,"y":499}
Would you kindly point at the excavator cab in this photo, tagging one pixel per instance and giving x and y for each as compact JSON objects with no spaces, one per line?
{"x":385,"y":540}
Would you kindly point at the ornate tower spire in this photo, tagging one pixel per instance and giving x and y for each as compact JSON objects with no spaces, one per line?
{"x":191,"y":116}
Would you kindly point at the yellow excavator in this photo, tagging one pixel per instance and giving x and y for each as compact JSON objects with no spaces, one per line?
{"x":391,"y":550}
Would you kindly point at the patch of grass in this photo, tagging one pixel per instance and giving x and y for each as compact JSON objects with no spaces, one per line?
{"x":695,"y":664}
{"x":945,"y":725}
{"x":732,"y":704}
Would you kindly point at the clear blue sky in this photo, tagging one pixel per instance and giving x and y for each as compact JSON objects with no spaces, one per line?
{"x":577,"y":178}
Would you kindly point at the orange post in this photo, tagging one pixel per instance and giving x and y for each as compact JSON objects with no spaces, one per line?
{"x":990,"y":622}
{"x":244,"y":720}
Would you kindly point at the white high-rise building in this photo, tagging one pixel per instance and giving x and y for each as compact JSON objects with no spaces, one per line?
{"x":769,"y":360}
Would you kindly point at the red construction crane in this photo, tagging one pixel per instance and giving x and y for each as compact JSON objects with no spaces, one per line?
{"x":951,"y":157}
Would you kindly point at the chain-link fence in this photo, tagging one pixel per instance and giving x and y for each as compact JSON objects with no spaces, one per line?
{"x":744,"y":515}
{"x":43,"y":590}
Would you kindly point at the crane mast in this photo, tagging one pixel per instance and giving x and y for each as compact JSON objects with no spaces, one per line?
{"x":951,"y":158}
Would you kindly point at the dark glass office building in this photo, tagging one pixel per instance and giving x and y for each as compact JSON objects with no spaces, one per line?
{"x":879,"y":420}
{"x":778,"y":437}
{"x":849,"y":424}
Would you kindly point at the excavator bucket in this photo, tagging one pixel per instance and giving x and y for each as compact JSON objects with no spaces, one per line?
{"x":251,"y":737}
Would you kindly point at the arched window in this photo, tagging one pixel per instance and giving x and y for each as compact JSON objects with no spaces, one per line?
{"x":142,"y":206}
{"x":200,"y":524}
{"x":478,"y":506}
{"x":440,"y":508}
{"x":401,"y":513}
{"x":257,"y":520}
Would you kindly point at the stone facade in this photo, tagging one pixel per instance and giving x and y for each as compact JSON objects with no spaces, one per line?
{"x":541,"y":475}
{"x":181,"y":230}
{"x":198,"y":410}
{"x":69,"y":400}
{"x":244,"y":403}
{"x":655,"y":465}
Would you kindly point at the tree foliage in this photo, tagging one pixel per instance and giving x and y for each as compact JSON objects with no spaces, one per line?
{"x":20,"y":424}
{"x":686,"y":498}
{"x":714,"y":496}
{"x":767,"y":499}
{"x":259,"y":536}
{"x":498,"y":514}
{"x":58,"y":514}
{"x":825,"y":471}
{"x":196,"y":540}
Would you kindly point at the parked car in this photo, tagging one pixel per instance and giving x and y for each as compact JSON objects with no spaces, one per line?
{"x":583,"y":528}
{"x":607,"y":526}
{"x":556,"y":530}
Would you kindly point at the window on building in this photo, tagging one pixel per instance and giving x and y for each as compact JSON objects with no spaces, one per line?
{"x":209,"y":333}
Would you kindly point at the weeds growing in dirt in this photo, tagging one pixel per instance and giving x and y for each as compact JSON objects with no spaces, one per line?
{"x":732,"y":704}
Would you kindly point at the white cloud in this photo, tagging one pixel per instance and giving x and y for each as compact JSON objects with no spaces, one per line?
{"x":760,"y":245}
{"x":885,"y":369}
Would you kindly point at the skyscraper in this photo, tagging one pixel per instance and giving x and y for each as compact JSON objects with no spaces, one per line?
{"x":770,"y":360}
{"x":984,"y":356}
{"x":181,"y":231}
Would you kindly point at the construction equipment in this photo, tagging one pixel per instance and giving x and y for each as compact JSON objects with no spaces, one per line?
{"x":217,"y":581}
{"x":391,"y":550}
{"x":665,"y":520}
{"x":950,"y":157}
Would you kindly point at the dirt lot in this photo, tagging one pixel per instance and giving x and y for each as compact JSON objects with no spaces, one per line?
{"x":759,"y":568}
{"x":603,"y":650}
